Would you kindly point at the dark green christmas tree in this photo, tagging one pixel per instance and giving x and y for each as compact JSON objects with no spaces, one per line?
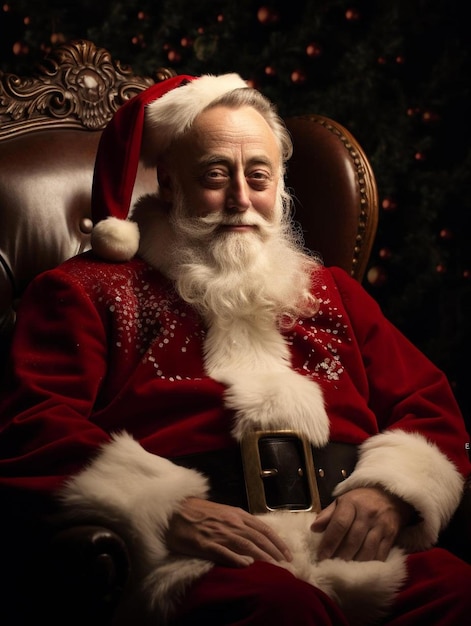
{"x":396,"y":73}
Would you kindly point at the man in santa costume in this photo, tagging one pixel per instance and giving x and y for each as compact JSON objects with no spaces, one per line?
{"x":203,"y":386}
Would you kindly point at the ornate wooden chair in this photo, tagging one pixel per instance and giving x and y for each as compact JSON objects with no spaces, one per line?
{"x":50,"y":125}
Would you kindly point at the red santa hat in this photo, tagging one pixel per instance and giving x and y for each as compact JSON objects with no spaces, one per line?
{"x":143,"y":128}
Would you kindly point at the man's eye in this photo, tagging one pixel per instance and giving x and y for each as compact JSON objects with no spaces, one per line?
{"x":215,"y":176}
{"x":259,"y":178}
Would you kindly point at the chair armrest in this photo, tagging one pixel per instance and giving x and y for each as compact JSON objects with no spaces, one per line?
{"x":87,"y":568}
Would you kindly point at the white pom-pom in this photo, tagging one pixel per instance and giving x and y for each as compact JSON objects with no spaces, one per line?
{"x":115,"y":240}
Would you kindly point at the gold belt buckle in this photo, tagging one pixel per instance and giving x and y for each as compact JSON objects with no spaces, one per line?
{"x":254,"y":473}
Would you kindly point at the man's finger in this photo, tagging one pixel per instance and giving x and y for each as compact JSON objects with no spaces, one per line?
{"x":270,"y":541}
{"x":323,"y":518}
{"x":337,"y":528}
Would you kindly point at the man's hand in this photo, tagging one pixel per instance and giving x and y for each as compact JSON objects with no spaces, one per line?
{"x":361,"y":525}
{"x":223,"y":534}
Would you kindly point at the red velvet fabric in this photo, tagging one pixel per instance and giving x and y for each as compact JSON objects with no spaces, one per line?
{"x":119,"y":150}
{"x":436,"y":594}
{"x":103,"y":347}
{"x":258,"y":595}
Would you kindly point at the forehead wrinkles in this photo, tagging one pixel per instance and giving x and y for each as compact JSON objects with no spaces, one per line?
{"x":223,"y":131}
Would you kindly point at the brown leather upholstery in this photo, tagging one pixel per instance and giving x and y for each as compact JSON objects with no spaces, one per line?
{"x":50,"y":125}
{"x":45,"y":182}
{"x":336,"y":199}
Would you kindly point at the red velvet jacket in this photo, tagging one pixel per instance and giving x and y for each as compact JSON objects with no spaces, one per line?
{"x":101,"y":348}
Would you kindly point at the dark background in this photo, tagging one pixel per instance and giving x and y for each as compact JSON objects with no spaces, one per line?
{"x":396,"y":73}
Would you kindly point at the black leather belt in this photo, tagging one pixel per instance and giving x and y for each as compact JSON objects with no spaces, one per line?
{"x":274,"y":470}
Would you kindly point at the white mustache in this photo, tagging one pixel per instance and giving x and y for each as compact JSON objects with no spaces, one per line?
{"x":250,"y":219}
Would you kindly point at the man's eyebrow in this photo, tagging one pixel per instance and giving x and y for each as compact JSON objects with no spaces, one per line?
{"x":261,"y":160}
{"x":219,"y":159}
{"x":213,"y":159}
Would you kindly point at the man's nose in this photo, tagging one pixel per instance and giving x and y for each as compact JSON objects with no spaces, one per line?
{"x":238,"y":198}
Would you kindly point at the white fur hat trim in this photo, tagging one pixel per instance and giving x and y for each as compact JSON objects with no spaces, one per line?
{"x":173,"y":113}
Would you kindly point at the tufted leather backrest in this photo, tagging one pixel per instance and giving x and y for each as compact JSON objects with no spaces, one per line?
{"x":50,"y":125}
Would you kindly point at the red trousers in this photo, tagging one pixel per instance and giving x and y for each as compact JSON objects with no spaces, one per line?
{"x":437,"y":593}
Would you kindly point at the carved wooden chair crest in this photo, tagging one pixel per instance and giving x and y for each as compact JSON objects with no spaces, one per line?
{"x":77,"y":86}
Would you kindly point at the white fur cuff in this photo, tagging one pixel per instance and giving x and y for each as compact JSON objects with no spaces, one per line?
{"x":134,"y":492}
{"x":414,"y":469}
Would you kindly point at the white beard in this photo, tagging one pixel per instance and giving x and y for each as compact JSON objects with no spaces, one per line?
{"x":247,"y":286}
{"x":260,"y":274}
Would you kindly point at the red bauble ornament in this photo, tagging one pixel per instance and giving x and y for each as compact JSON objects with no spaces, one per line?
{"x":267,"y":15}
{"x":389,"y":204}
{"x":376,"y":276}
{"x":385,"y":253}
{"x":57,"y":38}
{"x":446,"y":234}
{"x":441,"y":268}
{"x":270,"y":70}
{"x":174,"y":56}
{"x":314,"y":50}
{"x":413,"y":111}
{"x":298,"y":77}
{"x":430,"y":117}
{"x":352,"y":14}
{"x":138,"y":40}
{"x":20,"y":49}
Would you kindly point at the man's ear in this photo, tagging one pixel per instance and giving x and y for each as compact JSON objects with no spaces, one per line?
{"x":165,"y":183}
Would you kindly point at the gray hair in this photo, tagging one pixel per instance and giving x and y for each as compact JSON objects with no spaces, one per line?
{"x":253,"y":98}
